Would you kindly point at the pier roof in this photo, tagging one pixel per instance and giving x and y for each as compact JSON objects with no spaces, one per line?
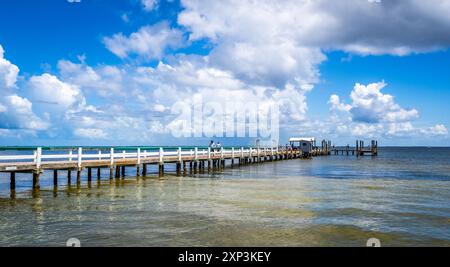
{"x":302,"y":139}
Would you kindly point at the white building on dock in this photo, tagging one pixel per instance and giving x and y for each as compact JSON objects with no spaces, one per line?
{"x":305,"y":144}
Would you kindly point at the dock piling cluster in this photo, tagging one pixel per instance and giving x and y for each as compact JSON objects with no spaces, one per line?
{"x":359,"y":150}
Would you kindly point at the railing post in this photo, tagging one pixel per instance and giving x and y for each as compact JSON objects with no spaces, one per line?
{"x":161,"y":161}
{"x":221,"y":153}
{"x":196,"y":153}
{"x":70,"y":155}
{"x":232,"y":152}
{"x":80,"y":156}
{"x":161,"y":155}
{"x":242,"y":152}
{"x":38,"y":157}
{"x":123,"y":154}
{"x":138,"y":156}
{"x":99,"y":155}
{"x":111,"y":156}
{"x":138,"y":161}
{"x":209,"y":153}
{"x":179,"y":155}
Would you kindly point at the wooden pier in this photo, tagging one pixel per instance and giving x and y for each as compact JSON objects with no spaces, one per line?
{"x":359,"y":150}
{"x":195,"y":159}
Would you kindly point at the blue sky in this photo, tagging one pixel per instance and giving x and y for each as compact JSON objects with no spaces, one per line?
{"x":107,"y":72}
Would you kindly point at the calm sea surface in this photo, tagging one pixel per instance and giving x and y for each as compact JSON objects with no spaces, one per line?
{"x":401,"y":197}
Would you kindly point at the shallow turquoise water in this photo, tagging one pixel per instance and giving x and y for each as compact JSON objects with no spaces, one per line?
{"x":401,"y":197}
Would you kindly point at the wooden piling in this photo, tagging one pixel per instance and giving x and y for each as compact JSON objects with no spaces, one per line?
{"x":89,"y":174}
{"x":195,"y":166}
{"x":79,"y":176}
{"x":117,"y":171}
{"x":13,"y":181}
{"x":178,"y":167}
{"x":144,"y":170}
{"x":55,"y":177}
{"x":161,"y":170}
{"x":69,"y":177}
{"x":36,"y":184}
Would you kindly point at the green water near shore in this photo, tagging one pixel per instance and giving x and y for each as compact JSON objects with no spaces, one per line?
{"x":226,"y":212}
{"x":334,"y":201}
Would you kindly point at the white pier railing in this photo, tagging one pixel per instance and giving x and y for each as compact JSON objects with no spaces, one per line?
{"x":79,"y":156}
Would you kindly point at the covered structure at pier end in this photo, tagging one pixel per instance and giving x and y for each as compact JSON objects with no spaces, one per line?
{"x":305,"y":144}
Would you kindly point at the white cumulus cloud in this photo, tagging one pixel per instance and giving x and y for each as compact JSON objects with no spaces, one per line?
{"x":149,"y":5}
{"x":49,"y":89}
{"x":370,"y":105}
{"x":16,"y":113}
{"x":272,"y":42}
{"x":90,"y":133}
{"x":8,"y":72}
{"x":149,"y":42}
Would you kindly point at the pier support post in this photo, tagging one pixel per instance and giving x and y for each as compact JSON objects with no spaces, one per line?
{"x":123,"y":171}
{"x":55,"y":177}
{"x":178,"y":168}
{"x":79,"y":176}
{"x":195,"y":166}
{"x":89,"y":174}
{"x":138,"y":163}
{"x":144,"y":170}
{"x":12,"y":184}
{"x":99,"y":173}
{"x":161,"y":170}
{"x":69,"y":177}
{"x":36,"y":175}
{"x":111,"y":163}
{"x":161,"y":162}
{"x":117,"y":171}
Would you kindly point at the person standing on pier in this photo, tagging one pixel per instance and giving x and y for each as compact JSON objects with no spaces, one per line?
{"x":218,"y":146}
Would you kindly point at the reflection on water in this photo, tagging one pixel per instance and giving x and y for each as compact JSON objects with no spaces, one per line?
{"x":289,"y":203}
